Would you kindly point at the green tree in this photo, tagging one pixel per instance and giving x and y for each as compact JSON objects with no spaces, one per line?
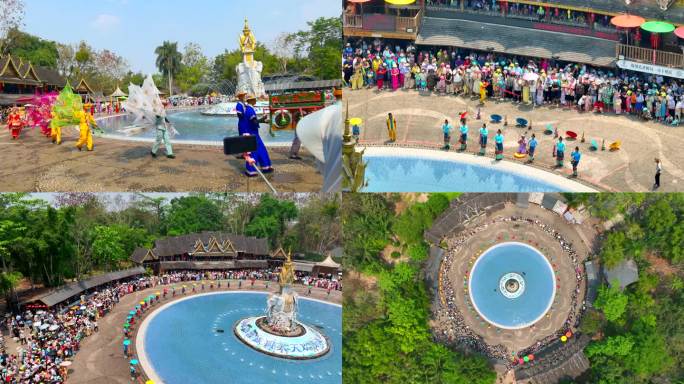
{"x":169,"y":61}
{"x":612,"y":301}
{"x":320,"y":46}
{"x":612,"y":251}
{"x":32,"y":48}
{"x":192,"y":214}
{"x":366,"y":221}
{"x":107,"y":248}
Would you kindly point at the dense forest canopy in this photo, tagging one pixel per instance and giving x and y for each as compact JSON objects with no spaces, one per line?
{"x":82,"y":234}
{"x":637,"y":333}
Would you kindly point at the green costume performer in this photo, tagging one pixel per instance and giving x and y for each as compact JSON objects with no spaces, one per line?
{"x":162,"y":138}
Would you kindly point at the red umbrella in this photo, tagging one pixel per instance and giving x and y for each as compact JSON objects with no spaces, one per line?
{"x":679,"y":32}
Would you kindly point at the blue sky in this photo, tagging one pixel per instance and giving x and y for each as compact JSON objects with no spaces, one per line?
{"x":134,"y":28}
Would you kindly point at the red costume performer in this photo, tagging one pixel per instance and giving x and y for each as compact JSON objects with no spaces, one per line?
{"x":15,"y":123}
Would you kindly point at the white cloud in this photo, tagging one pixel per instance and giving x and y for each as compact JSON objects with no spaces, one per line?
{"x":105,"y":22}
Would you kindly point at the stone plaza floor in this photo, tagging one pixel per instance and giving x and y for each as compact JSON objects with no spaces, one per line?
{"x":34,"y":164}
{"x":420,"y":117}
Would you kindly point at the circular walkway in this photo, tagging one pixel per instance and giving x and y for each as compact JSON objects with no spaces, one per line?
{"x":101,"y":359}
{"x":420,"y":117}
{"x":456,"y":320}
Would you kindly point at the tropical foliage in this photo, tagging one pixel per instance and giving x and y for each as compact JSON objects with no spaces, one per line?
{"x":387,"y":338}
{"x":84,"y":234}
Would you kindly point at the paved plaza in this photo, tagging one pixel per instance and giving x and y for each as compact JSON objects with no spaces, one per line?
{"x":482,"y":234}
{"x":34,"y":164}
{"x":101,"y":360}
{"x":420,"y":117}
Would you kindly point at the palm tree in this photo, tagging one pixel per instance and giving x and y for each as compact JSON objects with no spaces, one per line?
{"x":169,"y":61}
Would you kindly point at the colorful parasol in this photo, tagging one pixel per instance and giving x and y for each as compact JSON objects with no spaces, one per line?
{"x":627,"y":21}
{"x":657,"y":27}
{"x":400,"y":2}
{"x":356,"y":121}
{"x":126,"y":342}
{"x":679,"y":32}
{"x":134,"y":362}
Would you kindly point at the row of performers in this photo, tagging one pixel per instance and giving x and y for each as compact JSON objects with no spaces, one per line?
{"x":50,"y":126}
{"x":248,"y":124}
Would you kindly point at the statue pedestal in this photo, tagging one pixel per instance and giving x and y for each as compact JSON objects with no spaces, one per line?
{"x":249,"y":78}
{"x":304,"y":344}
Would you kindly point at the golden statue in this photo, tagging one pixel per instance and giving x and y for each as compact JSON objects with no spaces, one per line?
{"x":353,"y":166}
{"x":287,"y":272}
{"x":248,"y":43}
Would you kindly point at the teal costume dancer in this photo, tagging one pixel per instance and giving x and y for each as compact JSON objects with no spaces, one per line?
{"x":483,"y":139}
{"x":162,"y":138}
{"x":560,"y":152}
{"x":499,"y":140}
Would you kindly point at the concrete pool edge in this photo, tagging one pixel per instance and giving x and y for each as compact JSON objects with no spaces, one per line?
{"x":145,"y":363}
{"x":504,"y":166}
{"x":548,"y":306}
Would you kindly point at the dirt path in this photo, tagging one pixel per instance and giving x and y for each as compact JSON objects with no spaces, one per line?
{"x":34,"y":164}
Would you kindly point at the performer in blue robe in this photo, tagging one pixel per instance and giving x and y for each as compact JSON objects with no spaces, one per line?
{"x":243,"y":124}
{"x":260,"y":156}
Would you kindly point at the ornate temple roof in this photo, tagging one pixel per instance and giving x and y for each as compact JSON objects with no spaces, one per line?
{"x":203,"y":244}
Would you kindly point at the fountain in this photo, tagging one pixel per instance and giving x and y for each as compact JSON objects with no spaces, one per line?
{"x":249,"y":78}
{"x":279,"y":333}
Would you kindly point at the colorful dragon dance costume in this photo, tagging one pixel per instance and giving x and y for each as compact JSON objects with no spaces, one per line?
{"x":64,"y":113}
{"x":15,"y":123}
{"x":40,"y":113}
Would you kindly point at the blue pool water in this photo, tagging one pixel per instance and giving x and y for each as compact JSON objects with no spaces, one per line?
{"x":410,"y":174}
{"x":492,"y":304}
{"x":183,"y":347}
{"x":192,"y":126}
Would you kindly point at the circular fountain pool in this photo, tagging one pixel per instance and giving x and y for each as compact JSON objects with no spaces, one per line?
{"x":424,"y":170}
{"x":192,"y":341}
{"x":193,"y":126}
{"x":512,"y":285}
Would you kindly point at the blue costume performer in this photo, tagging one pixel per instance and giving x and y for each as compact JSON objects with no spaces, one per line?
{"x":243,"y":124}
{"x":260,"y":156}
{"x":464,"y":135}
{"x":560,"y":152}
{"x":483,"y":139}
{"x":576,"y":156}
{"x":533,"y":147}
{"x":499,"y":140}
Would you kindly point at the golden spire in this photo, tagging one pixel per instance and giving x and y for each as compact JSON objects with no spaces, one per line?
{"x":246,"y":30}
{"x":287,"y":272}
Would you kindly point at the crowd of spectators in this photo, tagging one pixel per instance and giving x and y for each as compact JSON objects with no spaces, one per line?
{"x":48,"y":338}
{"x":536,"y":82}
{"x":462,"y":335}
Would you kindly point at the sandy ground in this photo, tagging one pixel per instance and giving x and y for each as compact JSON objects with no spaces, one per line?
{"x":34,"y":164}
{"x":420,"y":117}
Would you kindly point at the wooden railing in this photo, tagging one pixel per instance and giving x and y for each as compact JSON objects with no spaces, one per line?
{"x":651,"y":56}
{"x":401,"y":24}
{"x":412,"y":23}
{"x":353,"y":21}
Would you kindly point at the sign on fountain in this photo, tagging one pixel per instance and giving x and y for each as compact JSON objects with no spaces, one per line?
{"x":279,"y":333}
